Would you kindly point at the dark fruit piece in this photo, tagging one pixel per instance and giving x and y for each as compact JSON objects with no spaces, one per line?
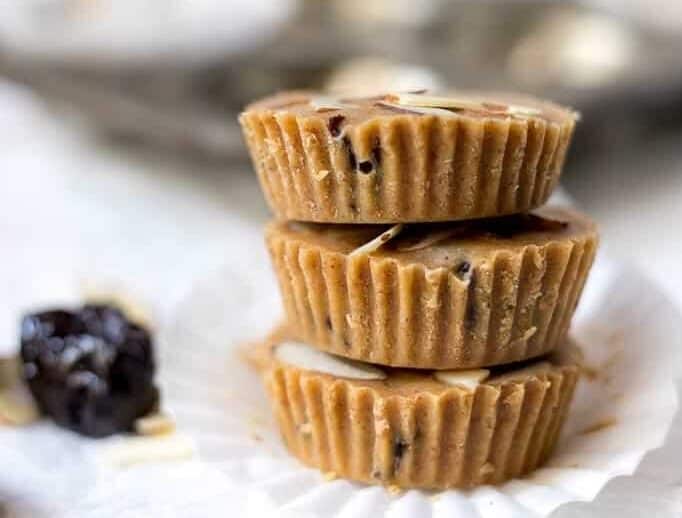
{"x":400,"y":447}
{"x":471,"y":311}
{"x":352,"y":160}
{"x":91,"y":370}
{"x":335,"y":124}
{"x":366,"y":166}
{"x":463,"y":270}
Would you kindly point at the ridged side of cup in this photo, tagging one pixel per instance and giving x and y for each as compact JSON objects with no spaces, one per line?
{"x":453,"y":438}
{"x":513,"y":306}
{"x":417,"y":167}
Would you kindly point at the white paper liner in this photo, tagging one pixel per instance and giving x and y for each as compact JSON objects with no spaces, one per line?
{"x":623,"y":323}
{"x":628,"y":333}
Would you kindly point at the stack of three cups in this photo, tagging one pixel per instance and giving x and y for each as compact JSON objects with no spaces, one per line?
{"x":427,"y":308}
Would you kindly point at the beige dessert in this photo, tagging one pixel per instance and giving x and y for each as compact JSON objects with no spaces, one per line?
{"x":416,"y":429}
{"x":436,"y":296}
{"x":405,"y":157}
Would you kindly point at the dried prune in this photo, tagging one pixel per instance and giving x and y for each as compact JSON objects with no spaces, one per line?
{"x":463,"y":270}
{"x":91,"y":370}
{"x":335,"y":124}
{"x":471,"y":312}
{"x":366,"y":166}
{"x":348,"y":145}
{"x":400,"y":448}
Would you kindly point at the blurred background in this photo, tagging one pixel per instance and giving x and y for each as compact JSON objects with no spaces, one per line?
{"x":121,"y":148}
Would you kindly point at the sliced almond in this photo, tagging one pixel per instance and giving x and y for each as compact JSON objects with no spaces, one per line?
{"x":329,"y":476}
{"x":433,"y":101}
{"x":523,"y":111}
{"x":394,"y":490}
{"x":529,"y":334}
{"x":17,"y":407}
{"x":468,"y":379}
{"x":9,"y":370}
{"x":323,"y":103}
{"x":307,"y":358}
{"x":445,"y":104}
{"x":429,"y":240}
{"x":533,"y":369}
{"x":423,"y":110}
{"x":377,"y":242}
{"x":137,"y":450}
{"x":154,"y":424}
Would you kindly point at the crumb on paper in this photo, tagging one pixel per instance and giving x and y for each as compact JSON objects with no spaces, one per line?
{"x":154,"y":424}
{"x":17,"y":407}
{"x":130,"y":451}
{"x":256,"y":437}
{"x":616,"y":339}
{"x":591,"y":373}
{"x":10,"y":369}
{"x":601,"y":371}
{"x":614,"y":359}
{"x":598,"y":426}
{"x":394,"y":489}
{"x":329,"y":476}
{"x":256,"y":420}
{"x":246,"y":354}
{"x":251,"y":352}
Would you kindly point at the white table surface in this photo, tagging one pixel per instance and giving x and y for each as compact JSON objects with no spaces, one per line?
{"x":77,"y":211}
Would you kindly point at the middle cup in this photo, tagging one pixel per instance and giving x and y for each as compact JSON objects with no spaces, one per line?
{"x":435,"y":296}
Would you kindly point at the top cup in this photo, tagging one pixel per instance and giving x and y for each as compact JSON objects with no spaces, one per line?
{"x":406,"y":157}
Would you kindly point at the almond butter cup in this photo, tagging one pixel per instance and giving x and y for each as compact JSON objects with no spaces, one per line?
{"x":476,"y":298}
{"x":371,"y":162}
{"x":413,"y":432}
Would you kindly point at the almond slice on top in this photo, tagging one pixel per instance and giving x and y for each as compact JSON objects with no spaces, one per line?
{"x":468,"y":379}
{"x":379,"y":241}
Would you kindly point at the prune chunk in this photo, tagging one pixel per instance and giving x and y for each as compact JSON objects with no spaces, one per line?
{"x":90,"y":370}
{"x":336,"y":125}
